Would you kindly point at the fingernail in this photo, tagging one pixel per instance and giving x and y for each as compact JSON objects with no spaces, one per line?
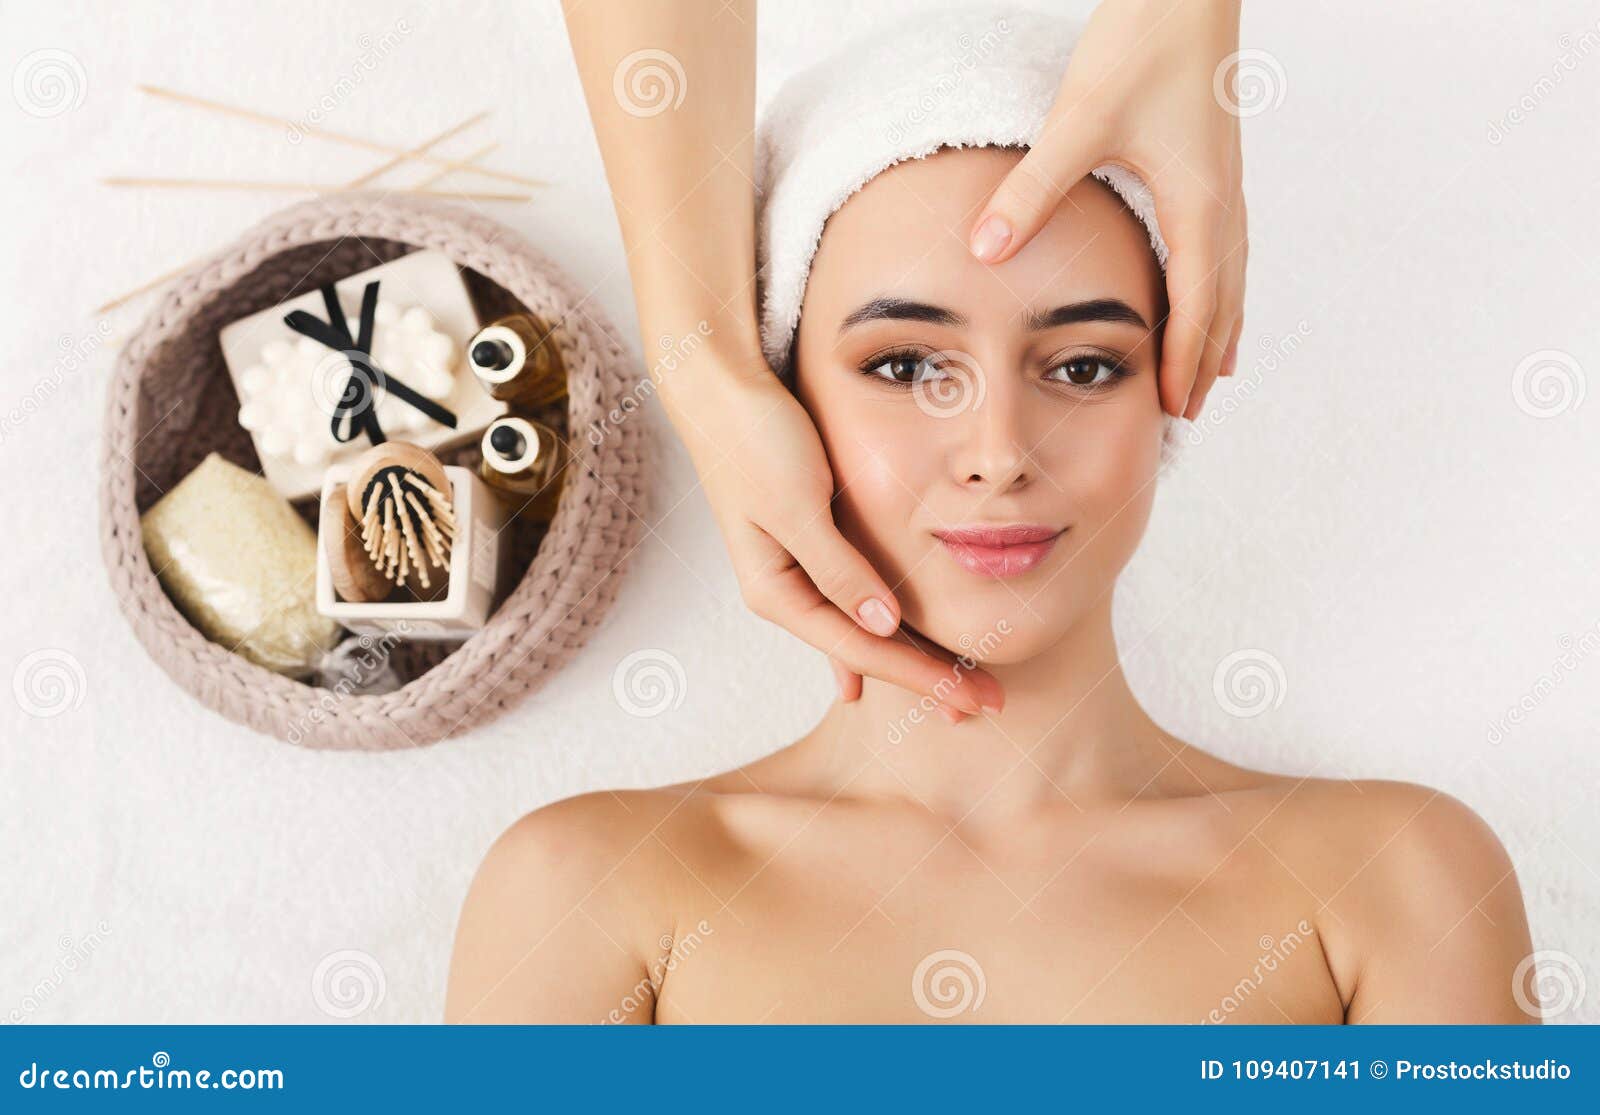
{"x":994,"y":699}
{"x":991,"y":698}
{"x":991,"y":237}
{"x":876,"y":617}
{"x":949,"y":714}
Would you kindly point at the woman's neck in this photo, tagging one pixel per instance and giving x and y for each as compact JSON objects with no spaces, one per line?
{"x":1071,"y":734}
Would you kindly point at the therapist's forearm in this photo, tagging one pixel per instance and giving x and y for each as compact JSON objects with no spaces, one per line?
{"x":679,"y":170}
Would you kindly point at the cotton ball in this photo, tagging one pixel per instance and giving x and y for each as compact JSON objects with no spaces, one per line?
{"x":299,"y":400}
{"x":254,"y":379}
{"x":275,"y":352}
{"x":273,"y":442}
{"x":252,"y":416}
{"x":390,"y":357}
{"x":388,"y":412}
{"x":437,"y":383}
{"x":438,"y":351}
{"x":418,"y":320}
{"x":308,"y":452}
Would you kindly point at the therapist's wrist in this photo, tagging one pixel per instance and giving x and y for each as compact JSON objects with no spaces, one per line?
{"x":693,"y":359}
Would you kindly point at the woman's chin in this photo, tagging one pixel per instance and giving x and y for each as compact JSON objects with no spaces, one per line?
{"x":990,"y":637}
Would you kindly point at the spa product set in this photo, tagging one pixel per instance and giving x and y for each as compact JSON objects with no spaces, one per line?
{"x":333,"y":450}
{"x":355,"y":395}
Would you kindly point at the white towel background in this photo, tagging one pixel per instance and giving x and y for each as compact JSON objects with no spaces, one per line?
{"x":1376,"y":511}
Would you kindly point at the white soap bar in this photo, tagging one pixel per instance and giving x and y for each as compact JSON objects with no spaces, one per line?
{"x":289,"y":385}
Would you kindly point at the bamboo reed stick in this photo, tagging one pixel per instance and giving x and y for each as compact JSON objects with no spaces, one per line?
{"x":440,"y":175}
{"x":335,"y":137}
{"x":295,"y":187}
{"x":415,"y":152}
{"x":437,"y":176}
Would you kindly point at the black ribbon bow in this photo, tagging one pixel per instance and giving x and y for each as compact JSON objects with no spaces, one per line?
{"x":358,"y":402}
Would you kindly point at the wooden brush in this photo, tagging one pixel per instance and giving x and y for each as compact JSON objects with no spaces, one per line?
{"x":400,"y":496}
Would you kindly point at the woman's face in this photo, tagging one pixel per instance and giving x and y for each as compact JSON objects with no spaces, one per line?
{"x":994,"y":432}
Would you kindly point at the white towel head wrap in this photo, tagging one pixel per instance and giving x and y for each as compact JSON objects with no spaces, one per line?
{"x":972,"y":77}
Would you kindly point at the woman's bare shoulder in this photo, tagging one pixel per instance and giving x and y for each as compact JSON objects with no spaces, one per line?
{"x":1419,"y":910}
{"x":620,"y":831}
{"x":1349,"y":818}
{"x":589,"y":884}
{"x":1417,"y":903}
{"x":1372,"y":838}
{"x":1379,"y":825}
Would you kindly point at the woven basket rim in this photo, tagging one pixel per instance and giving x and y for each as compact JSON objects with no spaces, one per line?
{"x":565,"y":592}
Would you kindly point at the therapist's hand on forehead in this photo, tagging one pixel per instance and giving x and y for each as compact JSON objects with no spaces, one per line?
{"x":1149,"y":87}
{"x":1142,"y":89}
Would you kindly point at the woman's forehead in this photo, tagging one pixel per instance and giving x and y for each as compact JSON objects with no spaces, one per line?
{"x":905,"y":234}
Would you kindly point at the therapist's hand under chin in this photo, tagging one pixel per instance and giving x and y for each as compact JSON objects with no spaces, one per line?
{"x":1149,"y":88}
{"x":767,"y":479}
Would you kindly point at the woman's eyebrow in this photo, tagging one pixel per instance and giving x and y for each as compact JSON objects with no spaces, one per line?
{"x":1096,"y":309}
{"x":900,"y":309}
{"x":903,"y":309}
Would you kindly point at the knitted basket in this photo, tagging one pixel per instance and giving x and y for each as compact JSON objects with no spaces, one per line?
{"x":171,"y":402}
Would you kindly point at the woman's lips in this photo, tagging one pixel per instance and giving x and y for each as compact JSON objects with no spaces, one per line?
{"x":1008,"y":551}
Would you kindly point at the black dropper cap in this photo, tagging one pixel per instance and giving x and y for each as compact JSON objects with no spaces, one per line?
{"x":506,"y":441}
{"x":495,"y":355}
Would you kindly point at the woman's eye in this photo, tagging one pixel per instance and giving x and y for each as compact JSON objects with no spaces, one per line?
{"x":906,"y":369}
{"x":1084,"y":371}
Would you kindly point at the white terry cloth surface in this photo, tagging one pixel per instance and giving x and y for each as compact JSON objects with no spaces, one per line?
{"x":1370,"y":504}
{"x":975,"y":76}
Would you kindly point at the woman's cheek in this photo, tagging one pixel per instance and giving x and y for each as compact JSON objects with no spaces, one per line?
{"x":1116,"y":457}
{"x":878,"y":479}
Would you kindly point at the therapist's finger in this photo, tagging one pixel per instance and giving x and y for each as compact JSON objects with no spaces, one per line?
{"x":841,"y":574}
{"x":895,"y":661}
{"x":1241,"y":261}
{"x":1192,"y":301}
{"x":778,"y":589}
{"x":1210,"y":367}
{"x":848,"y":681}
{"x":1067,"y":149}
{"x":1215,"y":353}
{"x":1230,"y":362}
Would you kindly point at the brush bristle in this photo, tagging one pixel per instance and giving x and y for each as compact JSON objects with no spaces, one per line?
{"x":407,"y":526}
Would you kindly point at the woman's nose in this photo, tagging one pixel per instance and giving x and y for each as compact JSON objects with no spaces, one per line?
{"x":990,"y":411}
